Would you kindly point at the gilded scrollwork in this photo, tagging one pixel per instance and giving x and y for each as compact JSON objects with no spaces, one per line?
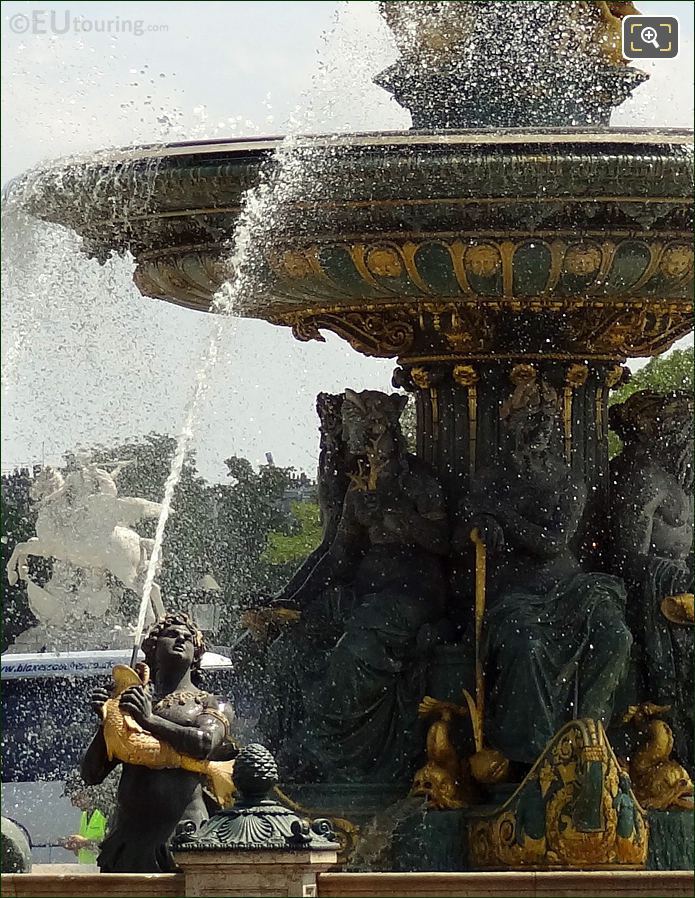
{"x":389,"y":302}
{"x":305,"y":330}
{"x":485,"y":266}
{"x":375,"y":333}
{"x":525,"y":268}
{"x":465,"y":328}
{"x":575,"y":808}
{"x":384,"y":333}
{"x":630,"y":330}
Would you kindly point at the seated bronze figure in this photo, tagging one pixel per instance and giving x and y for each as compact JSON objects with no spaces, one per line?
{"x":652,"y":540}
{"x":385,"y":559}
{"x":555,"y":641}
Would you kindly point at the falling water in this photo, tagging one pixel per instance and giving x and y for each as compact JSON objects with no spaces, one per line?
{"x":374,"y":848}
{"x":174,"y":476}
{"x":283,"y":179}
{"x":254,"y":222}
{"x":344,"y":59}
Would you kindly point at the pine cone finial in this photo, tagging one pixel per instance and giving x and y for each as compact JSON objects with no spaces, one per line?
{"x":255,"y":772}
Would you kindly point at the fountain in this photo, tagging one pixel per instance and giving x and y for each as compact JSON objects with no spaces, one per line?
{"x":510,"y":252}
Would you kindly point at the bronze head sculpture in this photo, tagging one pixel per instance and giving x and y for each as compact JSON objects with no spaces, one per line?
{"x":649,"y":421}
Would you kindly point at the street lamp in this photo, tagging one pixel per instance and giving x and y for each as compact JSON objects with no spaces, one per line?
{"x":206,"y":616}
{"x":206,"y":613}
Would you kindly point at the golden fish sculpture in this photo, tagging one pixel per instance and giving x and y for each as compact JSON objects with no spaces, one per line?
{"x":127,"y":741}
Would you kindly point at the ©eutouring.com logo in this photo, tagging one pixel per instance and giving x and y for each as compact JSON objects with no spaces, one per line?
{"x":51,"y":21}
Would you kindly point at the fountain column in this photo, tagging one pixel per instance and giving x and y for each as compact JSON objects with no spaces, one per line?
{"x":458,"y":418}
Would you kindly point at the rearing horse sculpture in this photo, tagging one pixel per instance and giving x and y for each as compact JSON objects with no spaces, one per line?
{"x":83,"y":521}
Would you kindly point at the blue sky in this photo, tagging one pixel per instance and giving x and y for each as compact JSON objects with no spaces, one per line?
{"x":682,"y":9}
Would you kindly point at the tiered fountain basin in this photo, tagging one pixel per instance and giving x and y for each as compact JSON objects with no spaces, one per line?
{"x":556,"y":243}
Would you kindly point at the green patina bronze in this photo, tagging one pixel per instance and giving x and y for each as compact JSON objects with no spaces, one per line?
{"x":510,"y":247}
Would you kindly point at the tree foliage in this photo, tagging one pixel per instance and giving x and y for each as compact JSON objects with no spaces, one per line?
{"x":236,"y":531}
{"x":18,"y":520}
{"x":303,"y":538}
{"x":220,"y":529}
{"x":663,"y":374}
{"x":409,"y":424}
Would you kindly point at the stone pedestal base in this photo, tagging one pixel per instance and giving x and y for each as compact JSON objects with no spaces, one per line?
{"x":253,"y":873}
{"x":620,"y":884}
{"x":569,"y":884}
{"x":433,"y":841}
{"x":359,"y":803}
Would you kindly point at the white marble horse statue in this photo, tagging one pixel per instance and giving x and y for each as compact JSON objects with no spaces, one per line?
{"x":83,"y":522}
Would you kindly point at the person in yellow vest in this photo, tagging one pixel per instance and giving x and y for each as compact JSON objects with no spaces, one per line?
{"x":96,"y":808}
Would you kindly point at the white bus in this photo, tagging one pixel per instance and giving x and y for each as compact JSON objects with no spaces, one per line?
{"x":46,"y":726}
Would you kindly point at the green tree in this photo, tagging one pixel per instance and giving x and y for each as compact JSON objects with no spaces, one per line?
{"x":219,"y":529}
{"x":663,"y":374}
{"x":214,"y":528}
{"x":304,"y":537}
{"x":409,"y":424}
{"x":18,"y":520}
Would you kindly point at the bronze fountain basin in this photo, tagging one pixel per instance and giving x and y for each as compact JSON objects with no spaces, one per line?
{"x":413,"y":245}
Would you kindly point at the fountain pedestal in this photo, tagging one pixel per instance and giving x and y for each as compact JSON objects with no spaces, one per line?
{"x":540,"y":247}
{"x":459,"y":429}
{"x":257,"y":848}
{"x":254,"y":873}
{"x":437,"y":841}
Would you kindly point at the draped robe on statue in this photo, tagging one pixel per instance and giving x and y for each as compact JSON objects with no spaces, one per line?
{"x":556,"y":644}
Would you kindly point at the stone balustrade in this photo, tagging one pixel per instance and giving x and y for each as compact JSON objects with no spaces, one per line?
{"x":580,"y":884}
{"x":81,"y":885}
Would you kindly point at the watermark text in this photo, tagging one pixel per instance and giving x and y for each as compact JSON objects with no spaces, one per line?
{"x":57,"y":22}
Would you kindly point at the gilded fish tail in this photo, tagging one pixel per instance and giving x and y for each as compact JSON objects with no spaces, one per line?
{"x":219,"y":775}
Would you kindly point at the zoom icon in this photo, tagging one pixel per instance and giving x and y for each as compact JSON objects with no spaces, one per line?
{"x":650,"y":37}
